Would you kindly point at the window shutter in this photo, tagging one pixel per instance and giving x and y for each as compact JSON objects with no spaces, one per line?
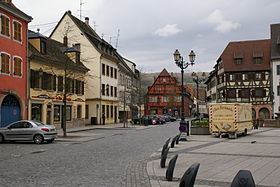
{"x":239,"y":93}
{"x":54,"y":82}
{"x":264,"y":93}
{"x":83,"y":88}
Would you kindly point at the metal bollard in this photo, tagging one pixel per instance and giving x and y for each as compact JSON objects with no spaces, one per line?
{"x":243,"y":178}
{"x":189,"y":176}
{"x":163,"y":158}
{"x":170,"y":168}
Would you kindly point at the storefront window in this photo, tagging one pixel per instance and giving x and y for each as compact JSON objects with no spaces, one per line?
{"x":56,"y":113}
{"x":79,"y":111}
{"x":36,"y":112}
{"x":68,"y":113}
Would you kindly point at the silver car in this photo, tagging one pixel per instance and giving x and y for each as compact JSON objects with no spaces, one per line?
{"x":28,"y":130}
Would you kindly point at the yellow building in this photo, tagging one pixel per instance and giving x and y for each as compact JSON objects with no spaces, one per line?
{"x":102,"y":59}
{"x":55,"y":72}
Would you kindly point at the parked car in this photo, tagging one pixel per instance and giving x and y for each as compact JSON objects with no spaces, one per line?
{"x":27,"y":130}
{"x":171,"y":117}
{"x":150,"y":120}
{"x":161,"y":119}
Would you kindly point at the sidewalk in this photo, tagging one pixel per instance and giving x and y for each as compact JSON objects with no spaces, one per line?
{"x":86,"y":133}
{"x":221,"y":159}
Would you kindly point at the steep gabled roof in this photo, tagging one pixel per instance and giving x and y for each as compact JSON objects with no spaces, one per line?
{"x":103,"y":47}
{"x":247,"y":50}
{"x":275,"y":41}
{"x":11,"y":8}
{"x":164,"y":73}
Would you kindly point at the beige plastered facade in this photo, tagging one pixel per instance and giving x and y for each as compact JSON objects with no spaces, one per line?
{"x":92,"y":59}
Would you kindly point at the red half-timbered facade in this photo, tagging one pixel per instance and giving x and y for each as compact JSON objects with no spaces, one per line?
{"x":164,"y":96}
{"x":13,"y":63}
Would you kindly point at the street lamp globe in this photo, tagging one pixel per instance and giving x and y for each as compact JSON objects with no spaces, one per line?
{"x":177,"y":56}
{"x":192,"y":57}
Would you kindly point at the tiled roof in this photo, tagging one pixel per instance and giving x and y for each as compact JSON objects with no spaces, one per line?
{"x":246,"y":50}
{"x":54,"y":54}
{"x":11,"y":8}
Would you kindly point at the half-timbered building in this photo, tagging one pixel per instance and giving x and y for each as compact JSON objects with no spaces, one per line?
{"x":164,"y":96}
{"x":243,"y":76}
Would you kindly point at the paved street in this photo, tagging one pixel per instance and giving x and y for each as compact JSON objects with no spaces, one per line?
{"x":102,"y":157}
{"x":221,"y":159}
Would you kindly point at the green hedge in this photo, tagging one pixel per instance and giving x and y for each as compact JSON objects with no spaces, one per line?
{"x":201,"y":123}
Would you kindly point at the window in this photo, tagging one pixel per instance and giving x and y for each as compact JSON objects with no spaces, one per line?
{"x":56,"y":113}
{"x":107,"y":71}
{"x":178,"y":98}
{"x":278,"y":69}
{"x":158,"y":88}
{"x":47,"y":81}
{"x":278,"y":90}
{"x":152,"y":99}
{"x":69,"y":85}
{"x":79,"y":87}
{"x":68,"y":113}
{"x":163,"y":79}
{"x":112,"y":112}
{"x":107,"y":89}
{"x":258,"y":60}
{"x":5,"y":63}
{"x":244,"y":77}
{"x":60,"y":84}
{"x":17,"y":31}
{"x":231,"y":77}
{"x":35,"y":79}
{"x":54,"y":82}
{"x":36,"y":112}
{"x":116,"y":73}
{"x":103,"y":89}
{"x":165,"y":99}
{"x":103,"y":69}
{"x":231,"y":93}
{"x":238,"y":61}
{"x":112,"y":91}
{"x":5,"y":25}
{"x":79,"y":111}
{"x":112,"y":72}
{"x":259,"y":92}
{"x":107,"y":111}
{"x":116,"y":94}
{"x":87,"y":112}
{"x":258,"y":76}
{"x":245,"y":93}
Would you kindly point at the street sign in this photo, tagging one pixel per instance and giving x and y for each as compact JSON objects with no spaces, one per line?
{"x":182,"y":128}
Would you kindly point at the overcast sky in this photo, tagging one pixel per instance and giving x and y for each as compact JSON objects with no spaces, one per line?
{"x":151,"y":30}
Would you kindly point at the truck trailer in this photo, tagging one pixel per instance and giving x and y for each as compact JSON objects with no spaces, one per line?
{"x":230,"y":118}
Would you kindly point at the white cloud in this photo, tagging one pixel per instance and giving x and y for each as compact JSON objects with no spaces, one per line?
{"x":221,"y":24}
{"x":168,"y":30}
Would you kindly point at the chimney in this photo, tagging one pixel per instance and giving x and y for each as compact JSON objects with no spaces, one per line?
{"x":87,"y":20}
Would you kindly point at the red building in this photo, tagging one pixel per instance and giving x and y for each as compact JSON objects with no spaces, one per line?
{"x":13,"y":63}
{"x":164,"y":96}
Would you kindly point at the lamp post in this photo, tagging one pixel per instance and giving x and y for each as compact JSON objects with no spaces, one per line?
{"x":198,"y":81}
{"x":183,"y":65}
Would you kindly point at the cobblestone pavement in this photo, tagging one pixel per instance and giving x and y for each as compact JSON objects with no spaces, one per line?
{"x":116,"y":158}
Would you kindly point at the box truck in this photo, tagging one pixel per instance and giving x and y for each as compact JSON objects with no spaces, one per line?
{"x":230,"y":118}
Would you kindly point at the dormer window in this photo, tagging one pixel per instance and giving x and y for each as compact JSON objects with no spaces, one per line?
{"x":238,"y":57}
{"x":43,"y":47}
{"x":257,"y":55}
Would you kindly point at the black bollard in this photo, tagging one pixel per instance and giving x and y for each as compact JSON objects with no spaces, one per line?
{"x":165,"y":146}
{"x":170,"y":168}
{"x":243,"y":178}
{"x":163,"y":158}
{"x":168,"y":140}
{"x":189,"y":176}
{"x":178,"y":139}
{"x":173,"y":142}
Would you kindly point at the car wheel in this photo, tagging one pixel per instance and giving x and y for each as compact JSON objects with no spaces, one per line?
{"x":50,"y":141}
{"x":1,"y":138}
{"x":38,"y":139}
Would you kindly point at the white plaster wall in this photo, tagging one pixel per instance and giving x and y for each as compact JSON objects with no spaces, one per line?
{"x":275,"y":83}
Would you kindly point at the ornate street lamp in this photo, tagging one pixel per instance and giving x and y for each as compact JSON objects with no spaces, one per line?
{"x":183,"y":65}
{"x":198,"y":81}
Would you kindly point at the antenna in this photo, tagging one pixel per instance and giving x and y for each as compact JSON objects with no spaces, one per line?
{"x":117,"y":40}
{"x":81,"y":4}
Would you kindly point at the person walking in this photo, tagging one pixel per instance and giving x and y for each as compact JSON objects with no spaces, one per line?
{"x":103,"y":118}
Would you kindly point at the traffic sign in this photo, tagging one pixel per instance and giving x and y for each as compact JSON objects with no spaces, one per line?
{"x":182,"y":128}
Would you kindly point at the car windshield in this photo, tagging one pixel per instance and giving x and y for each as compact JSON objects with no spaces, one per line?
{"x":38,"y":123}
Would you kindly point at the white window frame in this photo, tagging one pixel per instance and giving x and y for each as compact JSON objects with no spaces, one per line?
{"x":1,"y":63}
{"x":14,"y":66}
{"x":1,"y":14}
{"x":14,"y":32}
